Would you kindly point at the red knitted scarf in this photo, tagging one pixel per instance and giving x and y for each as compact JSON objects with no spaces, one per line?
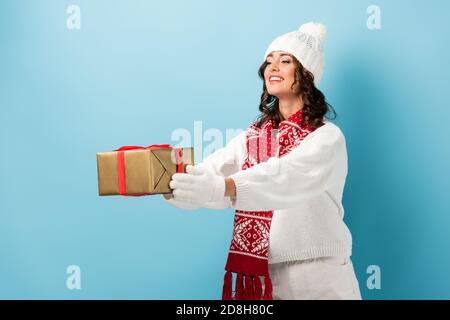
{"x":248,"y":256}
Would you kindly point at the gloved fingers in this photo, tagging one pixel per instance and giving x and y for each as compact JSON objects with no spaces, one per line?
{"x":184,"y":177}
{"x":175,"y":184}
{"x":195,"y":170}
{"x":182,"y":194}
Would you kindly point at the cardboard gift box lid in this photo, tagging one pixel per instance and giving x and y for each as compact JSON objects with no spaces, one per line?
{"x":145,"y":171}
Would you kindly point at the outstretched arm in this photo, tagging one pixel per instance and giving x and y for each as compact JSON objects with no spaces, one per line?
{"x":222,"y":162}
{"x":309,"y":169}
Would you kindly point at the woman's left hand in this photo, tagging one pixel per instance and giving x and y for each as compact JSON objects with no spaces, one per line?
{"x":198,"y":185}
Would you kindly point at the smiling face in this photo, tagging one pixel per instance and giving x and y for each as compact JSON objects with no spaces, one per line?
{"x":279,"y":74}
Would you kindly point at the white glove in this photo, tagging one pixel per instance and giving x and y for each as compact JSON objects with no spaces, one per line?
{"x":198,"y":186}
{"x":179,"y":203}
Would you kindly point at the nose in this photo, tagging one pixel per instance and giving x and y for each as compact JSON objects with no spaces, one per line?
{"x":274,"y":66}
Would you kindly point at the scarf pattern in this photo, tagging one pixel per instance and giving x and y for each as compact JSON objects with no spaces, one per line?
{"x":249,"y":250}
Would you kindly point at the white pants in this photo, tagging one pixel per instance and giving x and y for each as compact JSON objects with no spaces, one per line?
{"x":331,"y":278}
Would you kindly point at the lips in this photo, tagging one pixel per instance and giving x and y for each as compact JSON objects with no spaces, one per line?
{"x":275,"y":79}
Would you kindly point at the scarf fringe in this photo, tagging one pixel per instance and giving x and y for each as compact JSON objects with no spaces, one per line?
{"x":248,"y":287}
{"x":258,"y":287}
{"x":227,"y":283}
{"x":267,"y":289}
{"x":239,"y":287}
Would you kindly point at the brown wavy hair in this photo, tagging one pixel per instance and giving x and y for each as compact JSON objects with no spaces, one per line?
{"x":315,"y":106}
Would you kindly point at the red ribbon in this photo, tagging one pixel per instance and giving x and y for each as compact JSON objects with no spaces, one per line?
{"x":121,"y":163}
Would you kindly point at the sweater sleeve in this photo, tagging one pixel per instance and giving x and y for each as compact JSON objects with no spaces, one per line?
{"x":227,"y":160}
{"x":281,"y":183}
{"x":224,"y":162}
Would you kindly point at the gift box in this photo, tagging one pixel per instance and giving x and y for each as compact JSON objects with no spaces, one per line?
{"x":139,"y":171}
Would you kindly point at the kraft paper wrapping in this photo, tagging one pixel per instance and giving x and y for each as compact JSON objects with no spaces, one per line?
{"x":146,"y":171}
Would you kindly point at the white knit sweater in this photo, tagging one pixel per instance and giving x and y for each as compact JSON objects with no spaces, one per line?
{"x":304,"y":189}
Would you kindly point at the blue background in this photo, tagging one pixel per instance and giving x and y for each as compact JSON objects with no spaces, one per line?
{"x":138,"y":70}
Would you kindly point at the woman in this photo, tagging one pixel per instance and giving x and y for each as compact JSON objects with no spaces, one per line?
{"x":285,"y":177}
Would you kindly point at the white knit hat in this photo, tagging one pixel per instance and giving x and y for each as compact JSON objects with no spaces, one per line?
{"x":306,"y":44}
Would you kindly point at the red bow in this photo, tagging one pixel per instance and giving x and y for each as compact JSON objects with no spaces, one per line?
{"x":121,"y":163}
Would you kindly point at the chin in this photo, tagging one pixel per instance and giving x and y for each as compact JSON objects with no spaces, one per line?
{"x":275,"y":93}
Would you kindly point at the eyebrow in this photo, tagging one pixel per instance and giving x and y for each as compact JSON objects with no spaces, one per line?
{"x":283,"y":54}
